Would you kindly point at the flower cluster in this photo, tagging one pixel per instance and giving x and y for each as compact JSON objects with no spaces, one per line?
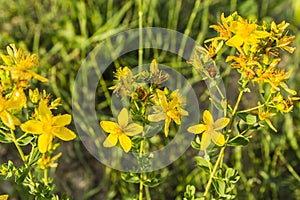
{"x":257,"y":59}
{"x":16,"y":72}
{"x":149,"y":102}
{"x":127,"y":83}
{"x":27,"y":119}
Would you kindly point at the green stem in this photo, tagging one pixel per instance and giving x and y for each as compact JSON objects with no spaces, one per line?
{"x":234,"y":111}
{"x":221,"y":154}
{"x":188,"y":28}
{"x":141,"y":187}
{"x":289,"y":167}
{"x":213,"y":172}
{"x":21,"y":153}
{"x":142,"y":174}
{"x":140,"y":63}
{"x":250,"y":109}
{"x":148,"y":196}
{"x":46,"y":176}
{"x":23,"y":136}
{"x":140,"y":3}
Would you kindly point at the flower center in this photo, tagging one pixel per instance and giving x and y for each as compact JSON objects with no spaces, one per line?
{"x":47,"y":128}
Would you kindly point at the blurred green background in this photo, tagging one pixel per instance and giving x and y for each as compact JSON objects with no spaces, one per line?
{"x":62,"y":33}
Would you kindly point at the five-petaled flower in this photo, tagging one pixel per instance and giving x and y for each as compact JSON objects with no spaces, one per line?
{"x":48,"y":127}
{"x":209,"y":130}
{"x":120,"y":131}
{"x":168,"y":111}
{"x":245,"y":33}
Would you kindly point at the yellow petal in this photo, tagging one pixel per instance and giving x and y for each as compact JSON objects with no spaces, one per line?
{"x":4,"y":197}
{"x":174,"y":103}
{"x":123,"y":118}
{"x":167,"y":125}
{"x":9,"y":120}
{"x":36,"y":76}
{"x":44,"y":141}
{"x":16,"y":120}
{"x":109,"y":127}
{"x":44,"y":112}
{"x":133,"y":129}
{"x":218,"y":138}
{"x":111,"y":140}
{"x":173,"y":114}
{"x":64,"y":133}
{"x":125,"y":142}
{"x":221,"y":123}
{"x":157,"y":109}
{"x":207,"y":117}
{"x":285,"y":87}
{"x":157,"y":117}
{"x":235,"y":41}
{"x":32,"y":126}
{"x":183,"y":112}
{"x":205,"y":141}
{"x":62,"y":120}
{"x":261,"y":34}
{"x":270,"y":125}
{"x":18,"y":100}
{"x":163,"y":99}
{"x":199,"y":128}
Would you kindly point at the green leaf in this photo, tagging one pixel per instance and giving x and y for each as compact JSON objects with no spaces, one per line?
{"x":152,"y":182}
{"x":219,"y":186}
{"x":203,"y":163}
{"x":130,"y":177}
{"x":7,"y":170}
{"x":4,"y":138}
{"x":26,"y":140}
{"x":232,"y":175}
{"x":34,"y":156}
{"x":21,"y":174}
{"x":153,"y":179}
{"x":238,"y":140}
{"x":195,"y":145}
{"x":251,"y":119}
{"x":248,"y":118}
{"x":189,"y":193}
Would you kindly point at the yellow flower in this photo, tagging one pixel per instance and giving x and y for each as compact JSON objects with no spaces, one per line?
{"x":48,"y":127}
{"x":209,"y":130}
{"x":245,"y":33}
{"x":120,"y":131}
{"x":20,"y":66}
{"x":15,"y":102}
{"x":46,"y":161}
{"x":124,"y":79}
{"x":18,"y":99}
{"x":223,"y":29}
{"x":282,"y":104}
{"x":244,"y":65}
{"x":275,"y":77}
{"x":34,"y":95}
{"x":168,"y":111}
{"x":265,"y":116}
